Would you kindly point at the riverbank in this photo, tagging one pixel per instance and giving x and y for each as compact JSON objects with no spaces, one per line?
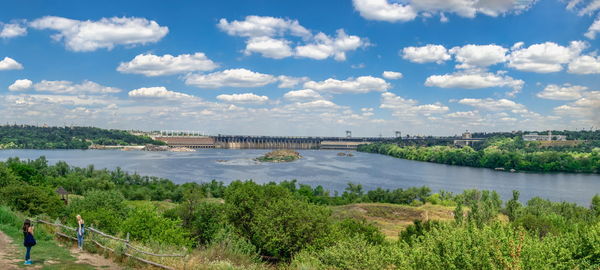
{"x":504,"y":155}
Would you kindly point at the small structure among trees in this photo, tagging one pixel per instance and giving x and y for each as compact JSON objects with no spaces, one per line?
{"x":64,"y":195}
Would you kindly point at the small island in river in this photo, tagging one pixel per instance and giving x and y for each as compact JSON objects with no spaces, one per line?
{"x":280,"y":156}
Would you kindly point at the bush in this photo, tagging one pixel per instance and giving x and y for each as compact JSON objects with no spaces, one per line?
{"x":146,"y":225}
{"x":352,"y":228}
{"x":209,"y":218}
{"x":32,"y":200}
{"x":352,"y":253}
{"x":274,"y":221}
{"x":104,"y":209}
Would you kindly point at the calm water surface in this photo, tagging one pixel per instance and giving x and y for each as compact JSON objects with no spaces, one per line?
{"x":327,"y":169}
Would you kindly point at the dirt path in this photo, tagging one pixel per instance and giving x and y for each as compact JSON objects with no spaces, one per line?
{"x":10,"y":259}
{"x":95,"y":260}
{"x":7,"y":253}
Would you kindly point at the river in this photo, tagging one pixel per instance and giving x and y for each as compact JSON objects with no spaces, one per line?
{"x":326,"y":168}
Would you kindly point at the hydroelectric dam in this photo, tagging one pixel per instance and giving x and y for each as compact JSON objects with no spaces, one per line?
{"x":196,"y":140}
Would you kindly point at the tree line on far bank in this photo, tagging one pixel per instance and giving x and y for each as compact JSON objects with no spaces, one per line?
{"x":499,"y":152}
{"x":34,"y":137}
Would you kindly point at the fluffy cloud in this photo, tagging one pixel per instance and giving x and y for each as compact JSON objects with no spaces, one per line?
{"x":382,"y":10}
{"x":157,"y":92}
{"x":246,"y":98}
{"x":474,"y":56}
{"x":586,"y":108}
{"x":8,"y":63}
{"x":267,"y":36}
{"x":473,"y":81}
{"x":564,"y":92}
{"x":81,"y":36}
{"x":394,"y":11}
{"x":545,"y":57}
{"x":230,"y":78}
{"x":406,"y":107}
{"x":258,"y":26}
{"x":426,"y":54}
{"x":67,"y":87}
{"x":289,"y":82}
{"x":490,"y":104}
{"x":324,"y":46}
{"x":269,"y":47}
{"x":320,"y":104}
{"x":391,"y":75}
{"x":593,"y":29}
{"x":20,"y":85}
{"x":585,"y":64}
{"x":363,"y":84}
{"x":11,"y":30}
{"x":305,"y":94}
{"x":154,"y":65}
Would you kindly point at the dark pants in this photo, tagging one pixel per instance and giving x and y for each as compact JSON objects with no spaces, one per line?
{"x":27,"y":253}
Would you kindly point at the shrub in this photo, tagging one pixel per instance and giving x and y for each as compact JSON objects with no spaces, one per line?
{"x":146,"y":225}
{"x":32,"y":200}
{"x":104,"y":209}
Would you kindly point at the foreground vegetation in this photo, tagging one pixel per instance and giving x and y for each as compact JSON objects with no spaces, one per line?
{"x":284,"y":225}
{"x":498,"y":152}
{"x":33,"y":137}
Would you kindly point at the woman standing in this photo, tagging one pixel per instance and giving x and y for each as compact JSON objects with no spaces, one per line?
{"x":80,"y":232}
{"x":28,"y":240}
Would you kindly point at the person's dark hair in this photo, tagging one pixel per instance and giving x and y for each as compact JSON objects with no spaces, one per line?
{"x":26,"y":225}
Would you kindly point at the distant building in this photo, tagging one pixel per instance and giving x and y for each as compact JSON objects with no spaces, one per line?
{"x":530,"y":137}
{"x":467,"y":140}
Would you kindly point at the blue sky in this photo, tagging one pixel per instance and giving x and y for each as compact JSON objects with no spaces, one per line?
{"x":302,"y":67}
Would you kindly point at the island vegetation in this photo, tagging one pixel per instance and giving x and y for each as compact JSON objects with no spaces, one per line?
{"x":502,"y":152}
{"x":280,"y":155}
{"x":245,"y":225}
{"x":34,"y":137}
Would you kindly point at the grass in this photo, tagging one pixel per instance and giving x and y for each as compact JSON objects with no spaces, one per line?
{"x":46,"y":253}
{"x":391,"y":219}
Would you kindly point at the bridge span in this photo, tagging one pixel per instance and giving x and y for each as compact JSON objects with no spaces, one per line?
{"x":266,"y":142}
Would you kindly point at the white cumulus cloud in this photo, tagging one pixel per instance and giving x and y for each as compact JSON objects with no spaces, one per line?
{"x":269,"y":37}
{"x":490,"y":104}
{"x":593,"y":29}
{"x":304,"y":94}
{"x":391,"y":75}
{"x":474,"y":80}
{"x":20,"y":85}
{"x":544,"y":57}
{"x":477,"y":56}
{"x":426,"y":54}
{"x":402,"y":11}
{"x":154,"y":65}
{"x":363,"y":84}
{"x":230,"y":78}
{"x":245,"y":98}
{"x":81,"y":36}
{"x":8,"y":63}
{"x":269,"y":47}
{"x":407,"y":107}
{"x":158,"y":92}
{"x":11,"y":30}
{"x":585,"y":64}
{"x":562,"y":92}
{"x":68,"y":87}
{"x":289,"y":81}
